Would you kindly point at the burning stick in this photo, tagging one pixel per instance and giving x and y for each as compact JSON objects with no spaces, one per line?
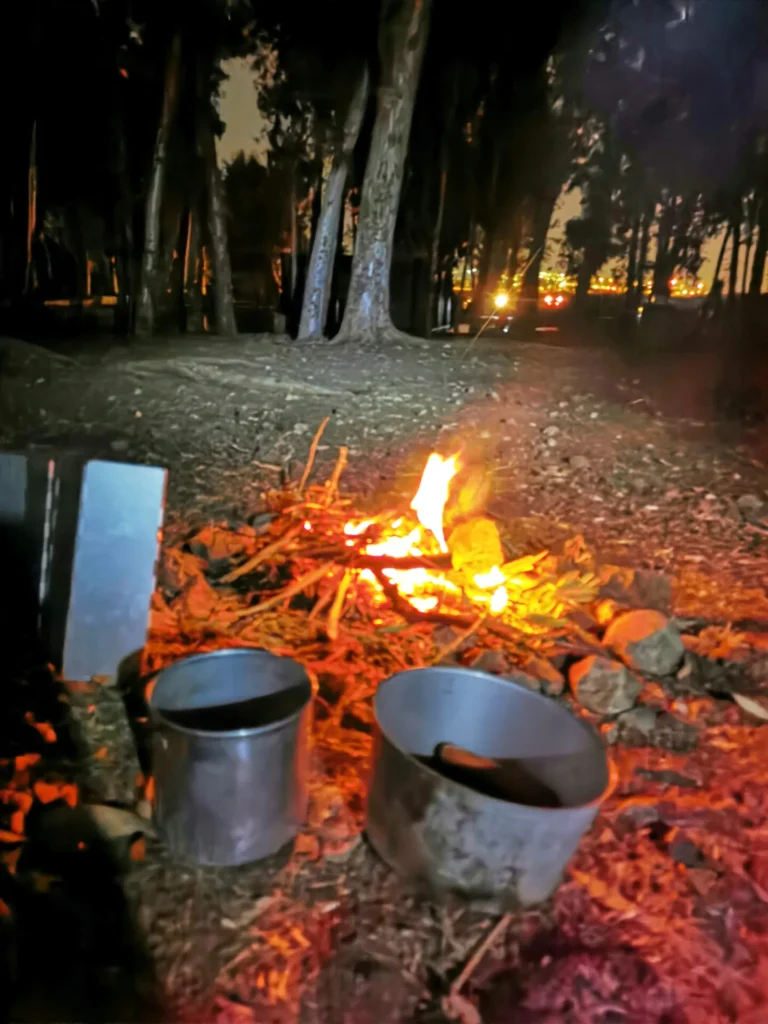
{"x":285,"y":595}
{"x":263,"y":555}
{"x":332,"y":485}
{"x":311,"y":456}
{"x":459,"y":640}
{"x":334,"y":615}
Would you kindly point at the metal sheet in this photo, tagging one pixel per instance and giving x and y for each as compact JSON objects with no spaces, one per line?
{"x":113,"y":570}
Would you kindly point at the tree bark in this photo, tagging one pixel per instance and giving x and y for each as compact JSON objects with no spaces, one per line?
{"x":403,"y":34}
{"x":193,"y":269}
{"x":217,"y":226}
{"x":733,"y":270}
{"x":630,"y":299}
{"x":317,"y":290}
{"x":542,"y":217}
{"x":145,"y":315}
{"x":761,"y":248}
{"x":29,"y":276}
{"x":642,"y":258}
{"x":661,"y":270}
{"x":434,"y":256}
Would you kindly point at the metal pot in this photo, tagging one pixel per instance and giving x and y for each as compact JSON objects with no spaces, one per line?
{"x":446,"y":837}
{"x":230,"y":754}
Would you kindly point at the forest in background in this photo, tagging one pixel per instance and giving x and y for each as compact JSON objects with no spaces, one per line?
{"x":446,"y":140}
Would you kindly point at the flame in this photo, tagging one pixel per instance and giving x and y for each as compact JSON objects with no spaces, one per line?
{"x":511,"y":591}
{"x":432,"y":494}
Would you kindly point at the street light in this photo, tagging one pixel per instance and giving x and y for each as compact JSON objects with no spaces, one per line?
{"x":500,"y":300}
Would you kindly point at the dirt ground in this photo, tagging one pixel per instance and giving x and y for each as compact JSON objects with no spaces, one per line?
{"x":577,"y":440}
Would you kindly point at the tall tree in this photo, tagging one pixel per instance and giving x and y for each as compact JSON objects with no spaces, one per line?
{"x":403,"y":34}
{"x":150,"y":267}
{"x":317,"y":289}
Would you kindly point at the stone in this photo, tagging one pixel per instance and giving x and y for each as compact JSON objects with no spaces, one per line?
{"x":491,"y":661}
{"x":516,"y":675}
{"x":647,"y":641}
{"x":119,"y":445}
{"x":604,"y":686}
{"x":551,"y":680}
{"x":579,"y":462}
{"x":749,"y":504}
{"x":641,"y":719}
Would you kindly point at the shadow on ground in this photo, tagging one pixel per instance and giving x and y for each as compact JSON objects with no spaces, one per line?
{"x":69,"y":949}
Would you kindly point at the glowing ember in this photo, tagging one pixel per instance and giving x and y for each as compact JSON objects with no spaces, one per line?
{"x":432,"y":494}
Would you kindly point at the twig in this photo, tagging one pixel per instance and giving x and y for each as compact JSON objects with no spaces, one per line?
{"x":263,"y":555}
{"x":332,"y":486}
{"x":267,"y":465}
{"x":290,"y":591}
{"x":325,"y":599}
{"x":311,"y":456}
{"x":469,"y":968}
{"x":332,"y":626}
{"x":459,"y":640}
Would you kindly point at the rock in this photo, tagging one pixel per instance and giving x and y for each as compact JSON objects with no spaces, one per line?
{"x":647,"y":641}
{"x":603,"y":686}
{"x":551,"y":680}
{"x":515,"y":675}
{"x":749,"y":504}
{"x":491,"y":661}
{"x":579,"y":462}
{"x":120,"y":445}
{"x":641,"y":719}
{"x":551,"y":430}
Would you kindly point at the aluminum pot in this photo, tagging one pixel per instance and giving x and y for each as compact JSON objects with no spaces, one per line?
{"x":446,"y":837}
{"x":230,"y":754}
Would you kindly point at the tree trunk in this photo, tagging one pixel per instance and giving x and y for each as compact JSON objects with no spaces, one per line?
{"x":642,"y":257}
{"x":193,"y":268}
{"x":630,"y":299}
{"x":145,"y":314}
{"x":733,"y":270}
{"x":761,"y":248}
{"x":217,"y":226}
{"x":317,"y":290}
{"x":402,"y":38}
{"x":660,"y":271}
{"x":29,"y":276}
{"x":542,"y":216}
{"x":434,"y":256}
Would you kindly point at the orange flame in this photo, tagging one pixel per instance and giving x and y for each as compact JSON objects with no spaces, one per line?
{"x":429,"y":503}
{"x":503,"y":591}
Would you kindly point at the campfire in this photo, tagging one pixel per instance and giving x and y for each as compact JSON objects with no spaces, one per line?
{"x":440,"y":560}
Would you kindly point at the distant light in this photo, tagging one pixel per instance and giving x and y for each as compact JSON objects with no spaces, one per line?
{"x":500,"y":300}
{"x":548,"y":300}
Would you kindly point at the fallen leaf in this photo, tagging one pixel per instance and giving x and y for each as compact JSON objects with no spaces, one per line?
{"x":47,"y":792}
{"x":10,"y":859}
{"x":25,"y":761}
{"x":307,"y":845}
{"x":6,"y":836}
{"x":118,"y":822}
{"x":755,"y":706}
{"x":42,"y":882}
{"x":5,"y":910}
{"x":603,"y":893}
{"x":44,"y":728}
{"x":101,"y":754}
{"x":139,"y":849}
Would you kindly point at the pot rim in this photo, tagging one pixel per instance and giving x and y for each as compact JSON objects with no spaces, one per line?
{"x":592,"y":736}
{"x":223,"y":652}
